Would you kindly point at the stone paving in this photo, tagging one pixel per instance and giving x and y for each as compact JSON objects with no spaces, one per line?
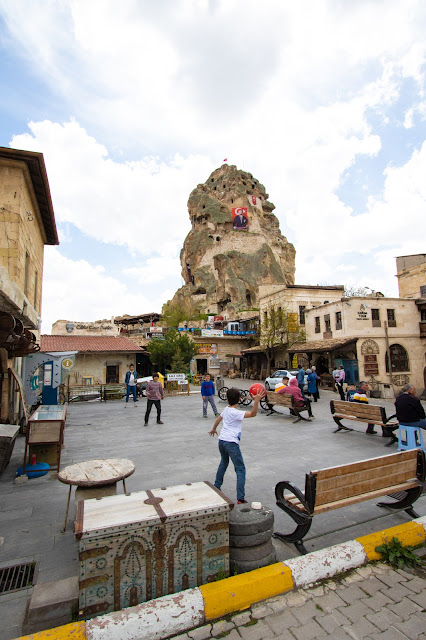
{"x":180,"y":451}
{"x":370,"y":603}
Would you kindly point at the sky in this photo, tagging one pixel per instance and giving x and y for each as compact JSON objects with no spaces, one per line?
{"x":135,"y":103}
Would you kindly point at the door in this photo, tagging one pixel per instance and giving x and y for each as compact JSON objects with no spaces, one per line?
{"x":202,"y":365}
{"x":112,"y":373}
{"x":351,"y":371}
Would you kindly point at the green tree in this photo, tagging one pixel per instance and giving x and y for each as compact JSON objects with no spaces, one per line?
{"x":278,"y":329}
{"x":174,"y":346}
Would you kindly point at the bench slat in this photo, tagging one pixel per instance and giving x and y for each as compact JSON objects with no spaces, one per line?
{"x":361,"y":488}
{"x":370,"y":463}
{"x":350,"y":479}
{"x":365,"y":496}
{"x":357,"y":409}
{"x":280,"y":398}
{"x":369,"y":419}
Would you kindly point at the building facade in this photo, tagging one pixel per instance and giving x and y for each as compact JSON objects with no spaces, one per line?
{"x":27,"y":224}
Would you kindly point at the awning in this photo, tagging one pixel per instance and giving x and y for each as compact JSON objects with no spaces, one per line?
{"x":317,"y":346}
{"x":234,"y":355}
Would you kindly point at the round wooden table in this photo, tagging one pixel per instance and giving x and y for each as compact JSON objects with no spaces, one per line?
{"x":95,"y":473}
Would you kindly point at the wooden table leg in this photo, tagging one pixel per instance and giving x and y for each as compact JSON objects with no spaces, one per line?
{"x":124,"y":487}
{"x":68,"y":506}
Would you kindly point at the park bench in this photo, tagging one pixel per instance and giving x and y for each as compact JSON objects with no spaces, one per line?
{"x":282,"y":400}
{"x":401,"y":476}
{"x":368,"y":413}
{"x":113,"y":391}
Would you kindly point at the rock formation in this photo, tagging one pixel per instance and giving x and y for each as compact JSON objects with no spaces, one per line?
{"x":224,"y":263}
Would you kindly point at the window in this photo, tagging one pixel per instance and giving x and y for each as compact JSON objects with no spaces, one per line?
{"x":391,"y":317}
{"x":27,"y":273}
{"x":375,"y":317}
{"x":338,"y":319}
{"x":399,"y":359}
{"x":302,"y":314}
{"x":35,"y":288}
{"x":317,"y":324}
{"x":423,"y":291}
{"x":423,"y":315}
{"x":327,"y":323}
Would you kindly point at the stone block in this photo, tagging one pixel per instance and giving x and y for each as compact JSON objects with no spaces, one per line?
{"x":51,"y":604}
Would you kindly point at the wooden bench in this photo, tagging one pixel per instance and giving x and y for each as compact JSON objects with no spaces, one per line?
{"x":401,"y":476}
{"x":113,"y":391}
{"x":368,"y":413}
{"x":283,"y":400}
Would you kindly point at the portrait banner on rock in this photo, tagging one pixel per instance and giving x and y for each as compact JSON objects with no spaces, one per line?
{"x":240,"y":218}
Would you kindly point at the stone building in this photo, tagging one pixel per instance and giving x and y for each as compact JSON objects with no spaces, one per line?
{"x":365,"y":334}
{"x":234,"y":245}
{"x":99,"y":359}
{"x":27,"y":224}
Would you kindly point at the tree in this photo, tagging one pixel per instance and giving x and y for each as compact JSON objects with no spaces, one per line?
{"x":353,"y":292}
{"x":278,"y":329}
{"x":174,"y":313}
{"x":175,"y":347}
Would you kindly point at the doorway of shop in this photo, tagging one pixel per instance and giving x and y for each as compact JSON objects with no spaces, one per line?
{"x":202,"y":365}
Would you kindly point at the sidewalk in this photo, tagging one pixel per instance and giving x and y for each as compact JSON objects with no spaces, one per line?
{"x":372,"y":602}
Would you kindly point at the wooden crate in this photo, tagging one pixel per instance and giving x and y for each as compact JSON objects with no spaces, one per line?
{"x":150,"y":543}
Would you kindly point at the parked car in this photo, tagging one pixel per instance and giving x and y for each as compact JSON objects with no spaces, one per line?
{"x":276,"y":378}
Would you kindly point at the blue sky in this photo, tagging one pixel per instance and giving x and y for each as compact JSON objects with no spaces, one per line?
{"x":135,"y":103}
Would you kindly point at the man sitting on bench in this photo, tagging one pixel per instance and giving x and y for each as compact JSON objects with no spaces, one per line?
{"x":360,"y":395}
{"x":409,"y":410}
{"x":292,"y":388}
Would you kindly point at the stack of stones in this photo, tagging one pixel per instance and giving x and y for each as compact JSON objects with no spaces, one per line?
{"x":250,"y":538}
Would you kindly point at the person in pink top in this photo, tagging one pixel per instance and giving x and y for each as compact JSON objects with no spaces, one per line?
{"x":292,"y":388}
{"x":154,"y":393}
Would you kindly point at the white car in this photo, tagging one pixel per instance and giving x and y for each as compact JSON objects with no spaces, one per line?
{"x":276,"y":378}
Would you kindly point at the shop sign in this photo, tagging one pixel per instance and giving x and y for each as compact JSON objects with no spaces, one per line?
{"x":207,"y":347}
{"x":362,"y":313}
{"x":176,"y":376}
{"x":214,"y":362}
{"x":212,"y":333}
{"x":155,"y":330}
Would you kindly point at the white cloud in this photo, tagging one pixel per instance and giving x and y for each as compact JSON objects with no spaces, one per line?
{"x":297,"y":93}
{"x":77,"y":290}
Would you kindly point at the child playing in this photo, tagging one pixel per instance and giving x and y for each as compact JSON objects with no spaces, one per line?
{"x":229,"y":439}
{"x":207,"y":392}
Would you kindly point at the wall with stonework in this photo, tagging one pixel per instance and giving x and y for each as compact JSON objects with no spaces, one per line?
{"x":22,"y":237}
{"x":290,"y":299}
{"x":94,"y":366}
{"x":411,"y":279}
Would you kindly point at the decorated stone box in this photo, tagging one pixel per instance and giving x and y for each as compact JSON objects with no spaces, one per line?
{"x":144,"y":545}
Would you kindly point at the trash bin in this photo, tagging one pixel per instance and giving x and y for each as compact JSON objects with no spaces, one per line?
{"x":219,"y":383}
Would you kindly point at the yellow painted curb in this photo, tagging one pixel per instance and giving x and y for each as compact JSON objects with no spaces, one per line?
{"x":239,"y":592}
{"x":73,"y":631}
{"x":409,"y":534}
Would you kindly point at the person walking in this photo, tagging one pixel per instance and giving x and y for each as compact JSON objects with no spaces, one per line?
{"x":301,"y":380}
{"x":154,"y":393}
{"x":339,"y":380}
{"x":317,"y":378}
{"x":312,"y":384}
{"x":230,"y":437}
{"x":130,"y":382}
{"x":207,"y":393}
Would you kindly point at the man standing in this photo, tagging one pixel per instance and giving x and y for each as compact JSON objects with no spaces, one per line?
{"x":409,"y":410}
{"x":301,"y":380}
{"x":130,"y":382}
{"x":154,"y":393}
{"x":340,"y":380}
{"x":240,"y":220}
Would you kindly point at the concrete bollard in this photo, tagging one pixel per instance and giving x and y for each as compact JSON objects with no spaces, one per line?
{"x":250,"y":538}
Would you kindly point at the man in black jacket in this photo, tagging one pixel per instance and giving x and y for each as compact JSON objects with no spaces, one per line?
{"x":409,"y":410}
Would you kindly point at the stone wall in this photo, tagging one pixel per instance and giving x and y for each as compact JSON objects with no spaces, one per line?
{"x":411,"y":276}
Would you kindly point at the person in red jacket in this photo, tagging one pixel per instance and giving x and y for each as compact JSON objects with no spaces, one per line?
{"x":292,"y":388}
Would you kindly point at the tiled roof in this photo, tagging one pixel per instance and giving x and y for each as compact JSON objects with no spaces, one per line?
{"x":87,"y":343}
{"x":320,"y":345}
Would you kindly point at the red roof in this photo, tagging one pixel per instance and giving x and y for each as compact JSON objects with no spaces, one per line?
{"x":87,"y":343}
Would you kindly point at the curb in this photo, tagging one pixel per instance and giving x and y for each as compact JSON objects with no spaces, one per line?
{"x":179,"y":612}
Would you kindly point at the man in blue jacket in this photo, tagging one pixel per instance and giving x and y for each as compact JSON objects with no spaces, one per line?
{"x":301,"y":380}
{"x":207,"y":392}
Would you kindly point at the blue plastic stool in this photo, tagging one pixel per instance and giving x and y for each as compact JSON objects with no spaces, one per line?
{"x":413,"y":438}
